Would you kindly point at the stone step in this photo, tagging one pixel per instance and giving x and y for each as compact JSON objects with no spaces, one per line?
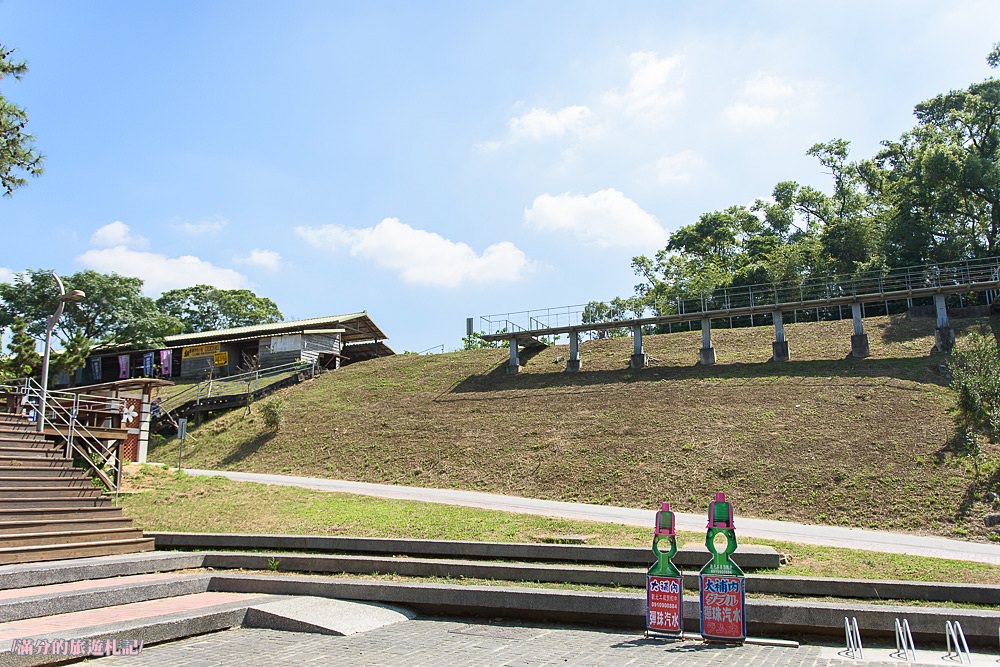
{"x":127,"y":627}
{"x":21,"y":526}
{"x":38,"y":491}
{"x":69,"y":537}
{"x":47,"y":552}
{"x":45,"y":513}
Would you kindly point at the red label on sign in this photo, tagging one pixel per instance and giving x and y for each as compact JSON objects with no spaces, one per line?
{"x":722,"y":608}
{"x":664,"y":605}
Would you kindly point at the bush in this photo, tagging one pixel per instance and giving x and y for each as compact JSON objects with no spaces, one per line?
{"x":273,"y":413}
{"x":975,"y":371}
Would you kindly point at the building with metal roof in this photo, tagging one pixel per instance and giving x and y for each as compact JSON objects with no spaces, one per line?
{"x":329,"y":341}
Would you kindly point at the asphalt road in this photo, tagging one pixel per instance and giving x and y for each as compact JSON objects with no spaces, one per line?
{"x":836,"y":536}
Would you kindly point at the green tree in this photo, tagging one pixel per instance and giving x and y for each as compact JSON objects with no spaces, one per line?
{"x":975,"y":372}
{"x":18,"y":157}
{"x":24,"y":359}
{"x":207,"y":308}
{"x":943,"y":176}
{"x":114,"y":312}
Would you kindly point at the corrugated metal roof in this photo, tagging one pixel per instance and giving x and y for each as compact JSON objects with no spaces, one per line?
{"x":358,"y":326}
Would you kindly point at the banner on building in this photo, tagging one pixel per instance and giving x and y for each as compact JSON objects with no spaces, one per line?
{"x":166,"y":363}
{"x":122,"y":366}
{"x":95,"y":368}
{"x":147,"y":364}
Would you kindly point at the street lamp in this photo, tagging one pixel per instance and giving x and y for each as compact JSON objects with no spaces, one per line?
{"x":73,"y":295}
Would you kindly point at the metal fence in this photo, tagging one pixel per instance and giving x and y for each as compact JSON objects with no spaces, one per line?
{"x":890,"y":284}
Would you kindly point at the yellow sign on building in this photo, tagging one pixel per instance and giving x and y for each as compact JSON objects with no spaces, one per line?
{"x":221,"y":358}
{"x":200,"y":351}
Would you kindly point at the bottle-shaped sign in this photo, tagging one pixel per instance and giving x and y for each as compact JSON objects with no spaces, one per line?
{"x":723,"y":587}
{"x":664,"y":582}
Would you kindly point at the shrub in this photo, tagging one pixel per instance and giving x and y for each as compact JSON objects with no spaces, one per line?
{"x":975,"y":371}
{"x":273,"y":412}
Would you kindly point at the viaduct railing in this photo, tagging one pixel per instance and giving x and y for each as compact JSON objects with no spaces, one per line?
{"x":905,"y":283}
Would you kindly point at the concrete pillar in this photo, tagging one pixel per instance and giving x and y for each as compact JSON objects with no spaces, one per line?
{"x":859,"y":341}
{"x":779,"y":348}
{"x":573,"y":365}
{"x":944,"y":335}
{"x":706,"y":356}
{"x":514,"y":365}
{"x":638,"y":359}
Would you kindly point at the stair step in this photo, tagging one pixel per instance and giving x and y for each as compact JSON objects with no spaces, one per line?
{"x":27,"y":492}
{"x":18,"y":527}
{"x":45,"y":513}
{"x":47,"y":552}
{"x":53,"y":502}
{"x":23,"y":436}
{"x":47,"y":451}
{"x":23,"y":471}
{"x":7,"y":460}
{"x":37,"y":481}
{"x":70,"y":537}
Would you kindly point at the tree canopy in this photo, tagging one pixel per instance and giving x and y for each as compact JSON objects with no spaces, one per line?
{"x":930,"y":196}
{"x":18,"y":157}
{"x":205,"y":308}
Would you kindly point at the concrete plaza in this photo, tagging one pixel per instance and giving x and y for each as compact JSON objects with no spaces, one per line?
{"x":449,"y":642}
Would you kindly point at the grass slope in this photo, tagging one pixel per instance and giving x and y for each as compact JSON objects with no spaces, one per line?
{"x":162,"y":500}
{"x":822,"y":438}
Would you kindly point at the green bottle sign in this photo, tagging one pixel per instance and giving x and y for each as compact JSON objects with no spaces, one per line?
{"x":664,"y":582}
{"x":721,"y":581}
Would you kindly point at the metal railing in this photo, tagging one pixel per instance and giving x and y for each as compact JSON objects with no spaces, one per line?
{"x":73,"y":417}
{"x":234,"y":385}
{"x":888,"y":284}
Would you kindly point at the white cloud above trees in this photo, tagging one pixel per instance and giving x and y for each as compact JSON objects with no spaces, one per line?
{"x":421,"y":257}
{"x":118,"y":250}
{"x":606,"y":218}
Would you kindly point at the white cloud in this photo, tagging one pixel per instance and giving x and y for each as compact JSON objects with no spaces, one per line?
{"x":606,"y":219}
{"x":422,"y":257}
{"x":265,"y":259}
{"x":766,"y":99}
{"x":653,"y":87}
{"x":679,"y":167}
{"x":117,"y":233}
{"x":160,"y":272}
{"x":6,"y":275}
{"x":746,"y":115}
{"x":210,"y":225}
{"x":542,"y":124}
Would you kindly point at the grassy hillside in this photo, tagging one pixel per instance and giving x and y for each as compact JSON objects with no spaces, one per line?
{"x":822,"y":438}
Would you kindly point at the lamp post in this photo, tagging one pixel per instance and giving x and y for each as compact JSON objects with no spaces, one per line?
{"x":74,"y":295}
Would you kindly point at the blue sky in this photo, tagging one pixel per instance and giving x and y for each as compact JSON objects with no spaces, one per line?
{"x":431,"y":161}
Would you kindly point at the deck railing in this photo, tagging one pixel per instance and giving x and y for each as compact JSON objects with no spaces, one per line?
{"x":83,"y":423}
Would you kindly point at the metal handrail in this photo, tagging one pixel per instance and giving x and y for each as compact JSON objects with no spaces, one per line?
{"x":888,"y":284}
{"x":62,"y":416}
{"x":233,"y":385}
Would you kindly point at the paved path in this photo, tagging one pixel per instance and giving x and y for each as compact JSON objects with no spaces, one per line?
{"x":433,"y":643}
{"x":788,"y":531}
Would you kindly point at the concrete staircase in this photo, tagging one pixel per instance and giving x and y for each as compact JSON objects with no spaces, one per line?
{"x":49,"y":510}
